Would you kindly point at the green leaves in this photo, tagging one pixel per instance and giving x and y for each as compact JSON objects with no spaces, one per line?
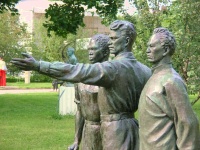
{"x":6,"y":5}
{"x":12,"y":35}
{"x":64,"y":19}
{"x":182,"y":19}
{"x":49,"y":48}
{"x":68,"y":17}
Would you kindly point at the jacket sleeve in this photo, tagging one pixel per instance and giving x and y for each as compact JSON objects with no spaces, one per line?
{"x":185,"y":120}
{"x":100,"y":74}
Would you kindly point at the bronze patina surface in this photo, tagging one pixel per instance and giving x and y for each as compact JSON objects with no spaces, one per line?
{"x":166,"y":118}
{"x":87,"y":127}
{"x":121,"y":81}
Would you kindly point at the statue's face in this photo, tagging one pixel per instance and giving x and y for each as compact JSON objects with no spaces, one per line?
{"x":69,"y":53}
{"x":96,"y":53}
{"x":117,"y":42}
{"x":155,"y":50}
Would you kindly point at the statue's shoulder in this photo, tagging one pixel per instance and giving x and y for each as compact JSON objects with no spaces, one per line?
{"x":172,"y":78}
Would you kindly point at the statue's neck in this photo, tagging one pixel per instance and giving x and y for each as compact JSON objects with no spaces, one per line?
{"x":164,"y":60}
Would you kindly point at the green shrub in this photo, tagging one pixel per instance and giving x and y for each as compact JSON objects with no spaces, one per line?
{"x":36,"y":77}
{"x":13,"y":79}
{"x":82,"y":56}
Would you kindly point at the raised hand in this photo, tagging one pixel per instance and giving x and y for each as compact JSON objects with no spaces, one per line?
{"x":29,"y":63}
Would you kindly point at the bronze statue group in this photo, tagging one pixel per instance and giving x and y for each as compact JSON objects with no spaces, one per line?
{"x":109,"y":92}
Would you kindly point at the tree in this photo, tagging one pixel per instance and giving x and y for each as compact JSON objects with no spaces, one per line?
{"x":68,"y":17}
{"x":181,"y":17}
{"x":185,"y":25}
{"x":53,"y":48}
{"x":44,"y":47}
{"x":12,"y":36}
{"x":6,"y":5}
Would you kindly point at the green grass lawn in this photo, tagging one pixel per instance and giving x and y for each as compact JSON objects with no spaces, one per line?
{"x":22,"y":85}
{"x":31,"y":122}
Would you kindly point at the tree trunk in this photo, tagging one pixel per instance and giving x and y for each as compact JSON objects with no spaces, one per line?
{"x":198,"y":97}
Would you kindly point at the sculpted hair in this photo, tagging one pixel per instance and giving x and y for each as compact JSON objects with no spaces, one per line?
{"x":167,"y":39}
{"x":124,"y":26}
{"x":102,"y":41}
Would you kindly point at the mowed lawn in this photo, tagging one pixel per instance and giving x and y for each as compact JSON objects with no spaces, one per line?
{"x":22,"y":85}
{"x":31,"y":122}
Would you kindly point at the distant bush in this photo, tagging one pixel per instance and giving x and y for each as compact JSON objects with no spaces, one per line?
{"x":13,"y":79}
{"x":82,"y":56}
{"x":36,"y":77}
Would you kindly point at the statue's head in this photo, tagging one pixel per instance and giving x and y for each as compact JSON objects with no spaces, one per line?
{"x":161,"y":44}
{"x":122,"y":35}
{"x":98,"y":48}
{"x":70,"y":51}
{"x":166,"y":38}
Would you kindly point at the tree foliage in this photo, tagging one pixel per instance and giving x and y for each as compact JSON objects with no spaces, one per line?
{"x":13,"y":36}
{"x":182,"y":18}
{"x":6,"y":5}
{"x":185,"y":25}
{"x":44,"y":47}
{"x":68,"y":17}
{"x":54,"y":48}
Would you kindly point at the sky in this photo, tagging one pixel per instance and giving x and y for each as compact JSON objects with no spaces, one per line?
{"x":31,"y":4}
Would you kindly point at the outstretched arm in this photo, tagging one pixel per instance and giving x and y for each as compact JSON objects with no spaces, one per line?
{"x":29,"y":63}
{"x":100,"y":74}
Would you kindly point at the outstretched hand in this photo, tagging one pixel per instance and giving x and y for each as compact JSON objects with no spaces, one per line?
{"x":29,"y":63}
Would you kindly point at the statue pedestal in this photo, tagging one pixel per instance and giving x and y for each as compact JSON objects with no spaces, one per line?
{"x":66,"y":100}
{"x":27,"y":77}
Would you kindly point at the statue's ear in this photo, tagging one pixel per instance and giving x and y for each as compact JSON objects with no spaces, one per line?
{"x":166,"y":52}
{"x":127,"y":40}
{"x":105,"y":52}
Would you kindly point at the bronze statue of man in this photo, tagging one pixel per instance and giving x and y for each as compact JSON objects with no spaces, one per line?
{"x":121,"y":81}
{"x":166,"y":118}
{"x":87,"y":127}
{"x":71,"y":56}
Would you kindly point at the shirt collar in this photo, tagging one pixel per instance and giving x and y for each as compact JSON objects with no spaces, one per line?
{"x":124,"y":55}
{"x":161,"y":67}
